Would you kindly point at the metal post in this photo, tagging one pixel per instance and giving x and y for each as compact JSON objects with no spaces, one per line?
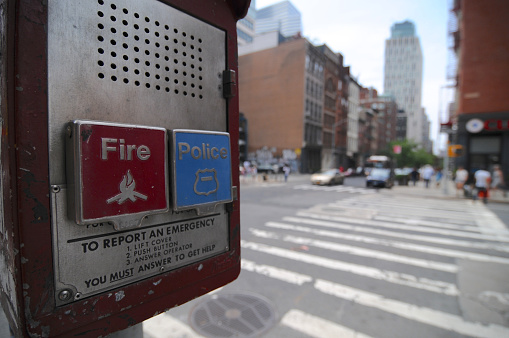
{"x":446,"y":170}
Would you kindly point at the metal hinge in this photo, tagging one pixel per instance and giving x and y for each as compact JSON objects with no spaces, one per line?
{"x":229,"y":84}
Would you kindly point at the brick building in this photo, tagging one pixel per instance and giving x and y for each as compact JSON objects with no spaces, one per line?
{"x":385,"y":112}
{"x":281,"y":91}
{"x":481,"y":44}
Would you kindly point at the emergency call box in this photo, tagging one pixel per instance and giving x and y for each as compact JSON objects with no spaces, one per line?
{"x":122,"y":198}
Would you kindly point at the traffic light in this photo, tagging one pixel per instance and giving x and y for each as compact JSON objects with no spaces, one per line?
{"x":455,"y":150}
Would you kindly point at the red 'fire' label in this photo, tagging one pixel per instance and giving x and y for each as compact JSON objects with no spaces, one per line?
{"x":122,"y":170}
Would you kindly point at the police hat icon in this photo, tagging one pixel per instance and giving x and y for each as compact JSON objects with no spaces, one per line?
{"x":206,"y":182}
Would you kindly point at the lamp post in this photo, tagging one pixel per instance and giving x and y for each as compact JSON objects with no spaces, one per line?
{"x":448,"y":131}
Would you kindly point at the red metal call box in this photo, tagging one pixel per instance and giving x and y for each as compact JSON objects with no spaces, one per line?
{"x":120,"y":172}
{"x":89,"y":244}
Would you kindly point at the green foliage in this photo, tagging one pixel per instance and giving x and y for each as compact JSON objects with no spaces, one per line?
{"x":411,"y":155}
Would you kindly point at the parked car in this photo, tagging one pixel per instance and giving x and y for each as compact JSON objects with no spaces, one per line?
{"x":380,"y":178}
{"x":402,"y":175}
{"x":266,"y":169}
{"x":328,"y":177}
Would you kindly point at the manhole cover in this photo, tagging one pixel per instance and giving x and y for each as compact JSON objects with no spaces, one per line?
{"x":233,"y":315}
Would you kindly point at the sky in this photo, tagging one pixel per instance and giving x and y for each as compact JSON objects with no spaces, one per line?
{"x":358,"y":30}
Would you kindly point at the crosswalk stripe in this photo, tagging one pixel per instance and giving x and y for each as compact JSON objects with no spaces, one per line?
{"x":416,"y":228}
{"x":417,"y":221}
{"x":392,"y":243}
{"x":358,"y":251}
{"x":164,"y":326}
{"x":275,"y":273}
{"x":318,"y":220}
{"x":416,"y":313}
{"x":316,"y":326}
{"x":409,"y":311}
{"x":361,"y":270}
{"x":384,"y":204}
{"x":401,"y":211}
{"x":482,"y":216}
{"x":335,"y":189}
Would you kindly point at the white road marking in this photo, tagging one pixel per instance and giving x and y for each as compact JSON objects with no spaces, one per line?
{"x":416,"y":228}
{"x":361,"y":270}
{"x":357,"y":251}
{"x":413,"y":312}
{"x":392,"y":243}
{"x":352,"y":190}
{"x":317,"y":220}
{"x":399,"y":211}
{"x":317,"y":327}
{"x":276,"y":273}
{"x":441,"y":225}
{"x":409,"y":311}
{"x":164,"y":326}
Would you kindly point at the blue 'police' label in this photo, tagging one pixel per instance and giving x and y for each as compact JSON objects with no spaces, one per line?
{"x":201,"y":168}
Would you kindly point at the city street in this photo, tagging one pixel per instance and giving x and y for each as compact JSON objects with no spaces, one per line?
{"x":346,"y":261}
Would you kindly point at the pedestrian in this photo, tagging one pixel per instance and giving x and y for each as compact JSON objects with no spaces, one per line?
{"x":427,"y":173}
{"x":438,"y":177}
{"x":414,"y":176}
{"x":482,"y":184}
{"x":286,"y":170}
{"x":460,"y":180}
{"x":498,"y":183}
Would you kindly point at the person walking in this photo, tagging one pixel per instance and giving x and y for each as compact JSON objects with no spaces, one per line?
{"x":427,"y":173}
{"x":286,"y":170}
{"x":460,"y":180}
{"x":498,"y":183}
{"x":414,"y":176}
{"x":438,"y":177}
{"x":482,"y":184}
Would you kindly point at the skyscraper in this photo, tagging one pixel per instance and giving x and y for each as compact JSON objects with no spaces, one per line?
{"x":403,"y":76}
{"x":282,"y":17}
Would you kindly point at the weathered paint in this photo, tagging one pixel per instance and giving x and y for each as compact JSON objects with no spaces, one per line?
{"x":26,"y":262}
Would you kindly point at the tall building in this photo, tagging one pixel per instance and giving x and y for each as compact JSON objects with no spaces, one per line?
{"x":481,"y":44}
{"x":282,"y":17}
{"x":403,"y":75}
{"x":246,"y":26}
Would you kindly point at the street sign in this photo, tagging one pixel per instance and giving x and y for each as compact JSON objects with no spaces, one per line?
{"x":455,"y":150}
{"x":201,"y":170}
{"x":119,"y":171}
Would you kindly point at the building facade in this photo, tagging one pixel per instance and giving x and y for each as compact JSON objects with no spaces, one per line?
{"x":333,"y":64}
{"x":352,"y":148}
{"x":403,"y":75}
{"x":281,"y":93}
{"x":481,"y":44}
{"x":385,"y":112}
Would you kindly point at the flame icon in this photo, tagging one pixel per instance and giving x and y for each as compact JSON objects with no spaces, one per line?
{"x":127,"y":187}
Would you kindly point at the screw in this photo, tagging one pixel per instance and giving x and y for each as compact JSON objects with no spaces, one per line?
{"x":64,"y":295}
{"x":77,"y":296}
{"x":55,"y":188}
{"x":161,"y":269}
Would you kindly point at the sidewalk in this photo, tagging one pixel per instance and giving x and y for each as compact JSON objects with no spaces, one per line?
{"x":448,"y":192}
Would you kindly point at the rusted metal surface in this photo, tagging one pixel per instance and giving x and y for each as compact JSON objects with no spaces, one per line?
{"x":25,"y":252}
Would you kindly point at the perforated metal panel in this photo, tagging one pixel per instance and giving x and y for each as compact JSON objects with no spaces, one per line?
{"x":138,"y":63}
{"x":138,"y":50}
{"x":129,"y":61}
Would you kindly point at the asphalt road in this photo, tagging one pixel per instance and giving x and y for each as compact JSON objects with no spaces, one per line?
{"x":346,"y":261}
